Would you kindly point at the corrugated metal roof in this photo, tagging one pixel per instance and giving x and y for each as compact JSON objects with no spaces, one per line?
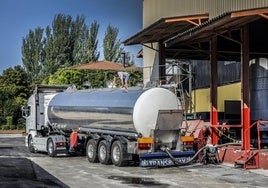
{"x":165,"y":28}
{"x":217,"y":25}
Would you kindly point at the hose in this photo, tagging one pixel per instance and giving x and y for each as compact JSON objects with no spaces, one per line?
{"x":178,"y":163}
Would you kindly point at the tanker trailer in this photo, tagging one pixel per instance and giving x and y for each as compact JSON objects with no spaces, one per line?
{"x":111,"y":125}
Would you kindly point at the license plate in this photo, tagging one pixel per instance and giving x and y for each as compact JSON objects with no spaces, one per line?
{"x":60,"y":148}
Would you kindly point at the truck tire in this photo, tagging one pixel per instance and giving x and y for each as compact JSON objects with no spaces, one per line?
{"x":104,"y":153}
{"x":92,"y":151}
{"x":50,"y":148}
{"x":117,"y":154}
{"x":30,"y":144}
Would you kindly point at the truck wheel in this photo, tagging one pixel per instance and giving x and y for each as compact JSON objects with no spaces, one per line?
{"x":92,"y":151}
{"x":31,"y":145}
{"x":103,"y":153}
{"x":50,"y":148}
{"x":117,"y":154}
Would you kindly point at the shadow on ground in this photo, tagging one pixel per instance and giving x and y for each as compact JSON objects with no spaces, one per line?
{"x":21,"y":172}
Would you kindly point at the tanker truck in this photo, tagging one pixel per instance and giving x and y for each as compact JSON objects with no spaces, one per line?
{"x":107,"y":125}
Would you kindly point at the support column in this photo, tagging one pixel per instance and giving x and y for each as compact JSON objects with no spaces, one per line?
{"x":214,"y":89}
{"x":162,"y":61}
{"x":245,"y":103}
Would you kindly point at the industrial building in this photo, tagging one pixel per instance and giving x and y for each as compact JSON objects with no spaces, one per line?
{"x":216,"y":51}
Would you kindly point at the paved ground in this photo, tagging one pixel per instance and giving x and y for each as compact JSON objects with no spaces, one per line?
{"x":19,"y":168}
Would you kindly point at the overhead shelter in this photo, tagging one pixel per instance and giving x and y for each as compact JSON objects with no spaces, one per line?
{"x":162,"y":30}
{"x":194,"y":43}
{"x":232,"y":36}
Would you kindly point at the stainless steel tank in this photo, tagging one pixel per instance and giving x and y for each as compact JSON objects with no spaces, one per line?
{"x":259,"y":89}
{"x":135,"y":110}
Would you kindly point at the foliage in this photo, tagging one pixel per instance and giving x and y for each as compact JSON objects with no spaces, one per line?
{"x":32,"y":46}
{"x":111,"y":45}
{"x":66,"y":43}
{"x":66,"y":77}
{"x":14,"y":89}
{"x":86,"y":50}
{"x":96,"y":78}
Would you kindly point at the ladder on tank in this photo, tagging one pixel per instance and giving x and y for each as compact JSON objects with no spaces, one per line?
{"x":180,"y":95}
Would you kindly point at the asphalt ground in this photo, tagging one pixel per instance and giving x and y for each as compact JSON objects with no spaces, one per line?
{"x":19,"y":168}
{"x":16,"y":170}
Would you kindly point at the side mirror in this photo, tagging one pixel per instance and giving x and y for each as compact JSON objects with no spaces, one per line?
{"x":26,"y":111}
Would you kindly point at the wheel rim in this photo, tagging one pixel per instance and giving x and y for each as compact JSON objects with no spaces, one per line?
{"x":102,"y":152}
{"x":90,"y":151}
{"x":116,"y":153}
{"x":50,"y":147}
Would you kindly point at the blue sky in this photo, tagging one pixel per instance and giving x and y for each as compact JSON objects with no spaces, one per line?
{"x":17,"y":17}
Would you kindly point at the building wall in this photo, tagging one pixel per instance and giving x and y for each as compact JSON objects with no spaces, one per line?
{"x":201,"y":97}
{"x":154,"y":10}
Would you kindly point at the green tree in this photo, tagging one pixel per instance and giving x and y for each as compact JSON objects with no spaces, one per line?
{"x":86,"y":45}
{"x":69,"y":42}
{"x":111,"y":45}
{"x":57,"y":47}
{"x":32,"y":46}
{"x":92,"y":43}
{"x":14,"y":90}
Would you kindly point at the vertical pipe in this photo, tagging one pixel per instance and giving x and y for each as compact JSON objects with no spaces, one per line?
{"x":245,"y":88}
{"x":213,"y":89}
{"x":190,"y":87}
{"x":124,"y":59}
{"x":162,"y":60}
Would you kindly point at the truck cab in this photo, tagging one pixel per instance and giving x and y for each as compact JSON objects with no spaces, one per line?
{"x":38,"y":129}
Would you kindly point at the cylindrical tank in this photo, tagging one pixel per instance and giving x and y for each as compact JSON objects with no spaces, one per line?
{"x":135,"y":110}
{"x":259,"y":89}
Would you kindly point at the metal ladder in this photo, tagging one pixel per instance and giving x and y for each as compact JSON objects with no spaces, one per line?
{"x":180,"y":94}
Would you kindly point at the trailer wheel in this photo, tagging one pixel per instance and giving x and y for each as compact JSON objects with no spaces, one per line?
{"x":92,"y":151}
{"x":117,"y":154}
{"x":50,"y":148}
{"x":103,"y":153}
{"x":30,"y":144}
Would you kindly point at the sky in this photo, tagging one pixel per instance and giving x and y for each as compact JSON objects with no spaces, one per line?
{"x":18,"y":17}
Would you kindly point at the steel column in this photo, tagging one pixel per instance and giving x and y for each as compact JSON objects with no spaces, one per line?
{"x":213,"y":89}
{"x":245,"y":103}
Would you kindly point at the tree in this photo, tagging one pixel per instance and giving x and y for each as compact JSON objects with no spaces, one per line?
{"x":67,"y":77}
{"x":14,"y":90}
{"x":69,"y":43}
{"x":86,"y":45}
{"x":111,"y":45}
{"x":32,"y":46}
{"x":57,"y":47}
{"x":92,"y":43}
